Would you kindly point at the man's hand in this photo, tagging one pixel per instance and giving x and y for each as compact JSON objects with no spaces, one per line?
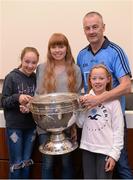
{"x":90,"y":101}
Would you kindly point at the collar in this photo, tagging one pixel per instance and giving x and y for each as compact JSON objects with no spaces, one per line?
{"x":92,"y":92}
{"x":104,"y":45}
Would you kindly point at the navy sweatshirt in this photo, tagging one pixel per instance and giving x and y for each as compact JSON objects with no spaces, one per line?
{"x":15,"y":84}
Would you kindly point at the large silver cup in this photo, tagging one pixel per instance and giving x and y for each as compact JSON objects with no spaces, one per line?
{"x":55,"y":113}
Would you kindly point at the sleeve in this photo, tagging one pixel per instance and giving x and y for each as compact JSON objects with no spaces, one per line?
{"x":72,"y":120}
{"x":121,"y":64}
{"x":9,"y":99}
{"x":80,"y":118}
{"x":118,"y":130}
{"x":79,"y":64}
{"x":84,"y":73}
{"x":79,"y":80}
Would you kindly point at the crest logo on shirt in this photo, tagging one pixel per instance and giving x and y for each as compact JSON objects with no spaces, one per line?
{"x":94,"y":115}
{"x":98,"y":119}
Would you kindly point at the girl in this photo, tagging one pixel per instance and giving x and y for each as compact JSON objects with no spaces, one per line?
{"x":58,"y":74}
{"x":18,"y":89}
{"x":103,"y":127}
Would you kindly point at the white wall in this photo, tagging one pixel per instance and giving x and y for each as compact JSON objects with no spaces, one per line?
{"x":31,"y":23}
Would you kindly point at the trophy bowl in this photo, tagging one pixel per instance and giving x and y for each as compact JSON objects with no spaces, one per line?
{"x":54,"y":113}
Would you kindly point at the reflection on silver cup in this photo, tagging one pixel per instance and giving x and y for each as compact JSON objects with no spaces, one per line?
{"x":54,"y":113}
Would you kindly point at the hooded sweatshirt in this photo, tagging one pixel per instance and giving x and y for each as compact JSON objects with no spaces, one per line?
{"x":15,"y":84}
{"x":103,"y":128}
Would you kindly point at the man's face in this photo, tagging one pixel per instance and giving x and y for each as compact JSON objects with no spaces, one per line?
{"x":93,"y":28}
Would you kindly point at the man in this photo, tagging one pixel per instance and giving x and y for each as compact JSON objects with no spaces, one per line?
{"x":102,"y":51}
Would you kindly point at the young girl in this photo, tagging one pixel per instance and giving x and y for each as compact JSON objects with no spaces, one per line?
{"x":58,"y":74}
{"x":18,"y":89}
{"x":103,"y":127}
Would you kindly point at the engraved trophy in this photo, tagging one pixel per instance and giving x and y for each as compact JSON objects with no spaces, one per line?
{"x":54,"y":113}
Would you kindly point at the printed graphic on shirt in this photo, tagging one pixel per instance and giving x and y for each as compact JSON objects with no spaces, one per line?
{"x":97,"y":118}
{"x":26,"y":89}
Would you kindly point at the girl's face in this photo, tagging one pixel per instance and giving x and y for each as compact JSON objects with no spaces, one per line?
{"x":99,"y":80}
{"x":58,"y":52}
{"x":29,"y":63}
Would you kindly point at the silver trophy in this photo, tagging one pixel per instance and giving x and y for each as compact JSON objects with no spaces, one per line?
{"x":54,"y":113}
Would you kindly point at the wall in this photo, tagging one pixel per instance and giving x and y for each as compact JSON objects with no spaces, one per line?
{"x":31,"y":23}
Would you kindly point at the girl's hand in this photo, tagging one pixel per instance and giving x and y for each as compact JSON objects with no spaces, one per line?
{"x":24,"y":99}
{"x":90,"y":101}
{"x":24,"y":109}
{"x":110,"y":164}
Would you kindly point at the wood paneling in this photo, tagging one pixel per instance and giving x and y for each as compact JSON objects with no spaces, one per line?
{"x":130,"y":147}
{"x":4,"y":169}
{"x":36,"y":168}
{"x":3,"y":145}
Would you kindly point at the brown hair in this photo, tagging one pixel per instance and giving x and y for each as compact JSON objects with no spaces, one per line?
{"x":49,"y":83}
{"x":109,"y":85}
{"x":28,"y":49}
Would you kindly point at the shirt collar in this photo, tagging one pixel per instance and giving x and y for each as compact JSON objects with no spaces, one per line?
{"x":104,"y":45}
{"x":92,"y":92}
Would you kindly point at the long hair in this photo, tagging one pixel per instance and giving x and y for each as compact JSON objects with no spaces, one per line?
{"x":109,"y":85}
{"x":49,"y":80}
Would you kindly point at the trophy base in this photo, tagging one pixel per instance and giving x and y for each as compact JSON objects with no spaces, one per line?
{"x":58,"y":147}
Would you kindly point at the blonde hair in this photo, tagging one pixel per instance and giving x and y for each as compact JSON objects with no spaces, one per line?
{"x":49,"y":82}
{"x":109,"y":85}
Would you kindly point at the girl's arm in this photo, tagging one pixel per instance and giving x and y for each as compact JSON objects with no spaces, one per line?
{"x":117,"y":124}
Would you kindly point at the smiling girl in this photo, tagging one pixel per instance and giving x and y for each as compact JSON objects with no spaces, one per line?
{"x":103,"y":128}
{"x":58,"y":74}
{"x":18,"y":88}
